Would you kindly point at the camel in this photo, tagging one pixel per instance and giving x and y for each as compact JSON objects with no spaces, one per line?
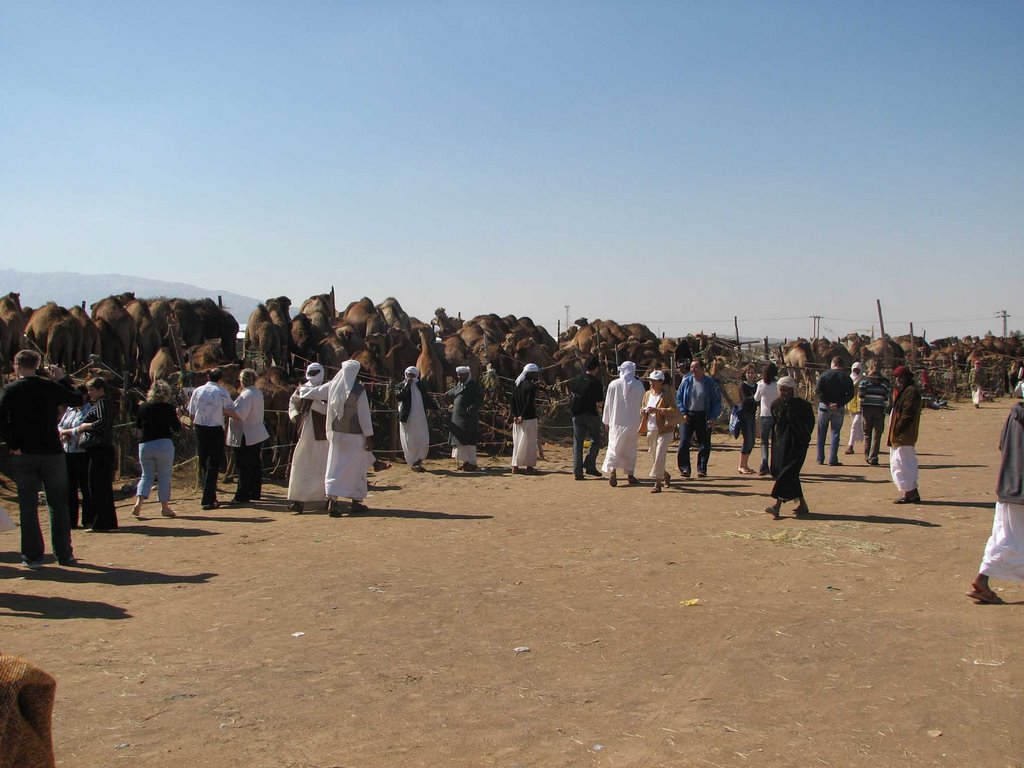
{"x":148,"y":332}
{"x":364,"y":317}
{"x":446,"y":326}
{"x":279,"y":316}
{"x":12,"y":327}
{"x":217,"y":323}
{"x":55,"y":332}
{"x":799,"y":359}
{"x":262,"y":335}
{"x":273,"y":383}
{"x":428,"y":363}
{"x":393,"y":314}
{"x":90,"y":335}
{"x":321,"y":313}
{"x":118,"y":334}
{"x":331,"y":353}
{"x":163,"y":367}
{"x":190,"y":324}
{"x":401,"y":354}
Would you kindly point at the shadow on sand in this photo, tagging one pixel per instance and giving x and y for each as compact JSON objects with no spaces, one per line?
{"x":54,"y":608}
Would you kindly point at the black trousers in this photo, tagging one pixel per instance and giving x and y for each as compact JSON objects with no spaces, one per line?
{"x":250,"y":471}
{"x":100,"y":515}
{"x":78,"y":486}
{"x":210,"y":453}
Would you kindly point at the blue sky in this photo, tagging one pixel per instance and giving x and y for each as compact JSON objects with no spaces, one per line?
{"x":675,"y":163}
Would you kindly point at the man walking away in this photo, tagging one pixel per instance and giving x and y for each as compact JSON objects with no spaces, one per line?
{"x":835,"y":390}
{"x":586,"y":422}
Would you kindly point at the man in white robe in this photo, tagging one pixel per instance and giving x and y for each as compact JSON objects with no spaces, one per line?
{"x":524,"y":420}
{"x":412,"y":420}
{"x":1004,"y":552}
{"x":350,"y":434}
{"x":622,"y":416}
{"x":309,"y":459}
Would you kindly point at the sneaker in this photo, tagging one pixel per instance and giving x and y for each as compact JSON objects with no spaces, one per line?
{"x":34,"y":565}
{"x":592,"y":472}
{"x":71,"y":562}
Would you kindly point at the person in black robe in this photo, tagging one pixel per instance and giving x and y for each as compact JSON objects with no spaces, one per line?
{"x":793,"y":425}
{"x":467,"y":397}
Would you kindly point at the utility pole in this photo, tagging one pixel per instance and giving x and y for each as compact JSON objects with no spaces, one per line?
{"x":816,"y":326}
{"x":881,"y":323}
{"x":566,"y":316}
{"x":1004,"y":315}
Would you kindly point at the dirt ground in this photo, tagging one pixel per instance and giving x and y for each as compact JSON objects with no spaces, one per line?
{"x":249,"y":636}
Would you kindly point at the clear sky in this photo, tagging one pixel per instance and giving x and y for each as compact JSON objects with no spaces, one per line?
{"x":675,"y":163}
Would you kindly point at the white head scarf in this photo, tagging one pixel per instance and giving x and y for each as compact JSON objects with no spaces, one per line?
{"x":656,"y":375}
{"x":627,"y":372}
{"x":855,"y":373}
{"x":315,"y":374}
{"x":341,"y":385}
{"x":465,"y":369}
{"x":414,"y":370}
{"x":528,"y":368}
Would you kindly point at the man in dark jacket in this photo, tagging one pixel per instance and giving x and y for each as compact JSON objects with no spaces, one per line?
{"x":587,"y":394}
{"x":835,"y":390}
{"x":903,"y":430}
{"x":29,"y":413}
{"x":875,"y":401}
{"x":467,"y":398}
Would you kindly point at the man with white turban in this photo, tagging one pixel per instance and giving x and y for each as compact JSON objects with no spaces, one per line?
{"x":467,"y":398}
{"x":412,"y":419}
{"x":792,"y":426}
{"x":309,"y":459}
{"x":622,"y":415}
{"x":524,"y":420}
{"x":350,"y":436}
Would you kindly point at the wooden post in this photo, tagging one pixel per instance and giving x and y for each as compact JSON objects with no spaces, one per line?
{"x":881,"y":323}
{"x":220,"y":301}
{"x":767,"y":353}
{"x":736,"y":327}
{"x":911,"y":344}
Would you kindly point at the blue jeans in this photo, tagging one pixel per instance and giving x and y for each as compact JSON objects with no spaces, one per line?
{"x":696,"y":424}
{"x":834,"y":419}
{"x":157,"y":459}
{"x":766,"y":434}
{"x":32,"y":470}
{"x":747,"y":432}
{"x":583,"y":426}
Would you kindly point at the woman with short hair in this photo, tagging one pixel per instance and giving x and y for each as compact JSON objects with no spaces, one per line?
{"x":247,"y":435}
{"x":98,"y":441}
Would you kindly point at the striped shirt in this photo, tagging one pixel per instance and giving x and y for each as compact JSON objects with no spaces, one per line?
{"x":875,"y":393}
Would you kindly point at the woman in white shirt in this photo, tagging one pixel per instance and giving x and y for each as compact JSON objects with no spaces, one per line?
{"x":767,"y":393}
{"x":246,"y":435}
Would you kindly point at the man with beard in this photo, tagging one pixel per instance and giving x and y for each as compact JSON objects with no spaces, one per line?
{"x":792,"y":426}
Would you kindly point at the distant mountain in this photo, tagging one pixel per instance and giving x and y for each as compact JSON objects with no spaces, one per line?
{"x":68,"y":288}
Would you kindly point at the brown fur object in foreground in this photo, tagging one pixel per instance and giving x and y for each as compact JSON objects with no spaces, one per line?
{"x":26,"y":711}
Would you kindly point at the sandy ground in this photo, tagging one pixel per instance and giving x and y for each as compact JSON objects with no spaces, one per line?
{"x":254,"y":637}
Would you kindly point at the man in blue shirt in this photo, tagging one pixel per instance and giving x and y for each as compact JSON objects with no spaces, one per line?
{"x":699,"y":400}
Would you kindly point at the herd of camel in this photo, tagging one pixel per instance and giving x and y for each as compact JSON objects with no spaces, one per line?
{"x":149,"y":339}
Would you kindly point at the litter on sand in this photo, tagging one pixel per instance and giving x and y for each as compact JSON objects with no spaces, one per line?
{"x":692,"y":601}
{"x":521,"y":649}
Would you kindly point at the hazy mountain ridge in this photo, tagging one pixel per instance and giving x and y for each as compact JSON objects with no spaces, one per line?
{"x":68,"y":288}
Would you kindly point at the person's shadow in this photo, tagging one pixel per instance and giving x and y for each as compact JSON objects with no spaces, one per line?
{"x":90,"y":573}
{"x":55,"y":607}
